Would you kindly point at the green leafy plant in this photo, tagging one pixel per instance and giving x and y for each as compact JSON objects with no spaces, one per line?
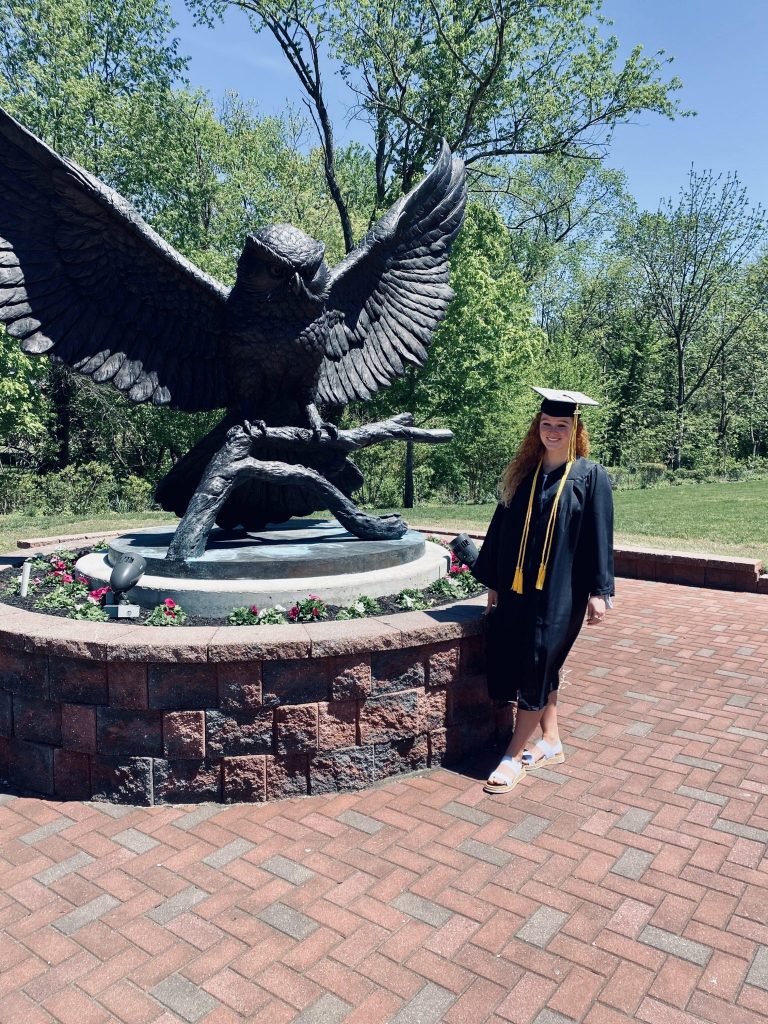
{"x":412,"y":600}
{"x":272,"y":616}
{"x":89,"y":612}
{"x":167,"y":614}
{"x":310,"y":609}
{"x":63,"y":596}
{"x":446,"y":586}
{"x":243,"y":616}
{"x":254,"y":616}
{"x":359,"y":608}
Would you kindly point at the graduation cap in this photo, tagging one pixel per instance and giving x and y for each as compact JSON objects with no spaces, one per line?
{"x":562,"y":403}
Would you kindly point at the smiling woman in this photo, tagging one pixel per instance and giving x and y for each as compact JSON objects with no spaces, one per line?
{"x":547,"y":560}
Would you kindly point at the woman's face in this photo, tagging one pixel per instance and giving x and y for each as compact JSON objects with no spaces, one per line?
{"x":555,"y":433}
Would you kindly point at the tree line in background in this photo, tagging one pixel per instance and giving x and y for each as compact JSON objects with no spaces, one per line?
{"x":559,"y":278}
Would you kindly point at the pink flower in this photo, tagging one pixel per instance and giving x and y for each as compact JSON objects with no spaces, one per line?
{"x":253,"y":610}
{"x":169,"y":602}
{"x":95,"y":596}
{"x":81,"y":579}
{"x":315,"y":612}
{"x":314,"y":597}
{"x":293,"y":613}
{"x":66,"y":577}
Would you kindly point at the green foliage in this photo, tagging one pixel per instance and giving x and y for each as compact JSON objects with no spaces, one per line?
{"x":472,"y":381}
{"x":254,"y":616}
{"x":168,"y":613}
{"x":68,"y":596}
{"x":22,"y":413}
{"x":309,"y":609}
{"x":271,"y":616}
{"x":411,"y":600}
{"x":90,"y":613}
{"x":76,"y":489}
{"x":359,"y":608}
{"x":243,"y":616}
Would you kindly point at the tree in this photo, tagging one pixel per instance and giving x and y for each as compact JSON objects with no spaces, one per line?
{"x":22,"y":408}
{"x":84,"y":98}
{"x":204,"y":177}
{"x":119,"y":57}
{"x":497,"y":79}
{"x":472,"y":379}
{"x":692,"y":258}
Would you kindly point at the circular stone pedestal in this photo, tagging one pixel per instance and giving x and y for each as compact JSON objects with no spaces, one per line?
{"x":276,"y":566}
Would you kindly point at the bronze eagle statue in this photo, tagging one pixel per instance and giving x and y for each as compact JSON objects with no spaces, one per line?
{"x":84,"y":279}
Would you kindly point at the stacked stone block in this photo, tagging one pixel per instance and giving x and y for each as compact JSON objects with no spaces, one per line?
{"x":343,"y":707}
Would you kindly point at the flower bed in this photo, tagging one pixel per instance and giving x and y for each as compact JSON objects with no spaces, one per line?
{"x":55,"y":587}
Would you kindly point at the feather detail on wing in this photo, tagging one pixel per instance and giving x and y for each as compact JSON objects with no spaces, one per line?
{"x":85,"y":279}
{"x":392,"y":291}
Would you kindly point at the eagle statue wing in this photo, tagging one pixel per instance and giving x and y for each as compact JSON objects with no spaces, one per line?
{"x":85,"y":279}
{"x":390,"y":293}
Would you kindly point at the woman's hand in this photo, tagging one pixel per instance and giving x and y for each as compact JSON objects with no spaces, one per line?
{"x":493,"y":597}
{"x":595,"y":611}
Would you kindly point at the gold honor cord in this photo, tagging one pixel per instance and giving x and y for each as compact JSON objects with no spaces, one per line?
{"x":517,"y":585}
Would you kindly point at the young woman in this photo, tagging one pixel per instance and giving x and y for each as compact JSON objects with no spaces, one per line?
{"x":547,"y":560}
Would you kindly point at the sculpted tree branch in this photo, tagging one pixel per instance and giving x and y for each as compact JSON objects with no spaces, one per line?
{"x":234,"y":464}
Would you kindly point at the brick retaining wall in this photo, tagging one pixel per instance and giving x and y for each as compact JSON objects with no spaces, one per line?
{"x":141,"y":715}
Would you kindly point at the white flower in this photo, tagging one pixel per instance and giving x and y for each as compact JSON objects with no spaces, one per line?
{"x":407,"y":601}
{"x":279,"y":608}
{"x":360,"y":608}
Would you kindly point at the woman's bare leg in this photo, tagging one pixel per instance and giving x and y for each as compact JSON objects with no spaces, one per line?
{"x":549,"y":727}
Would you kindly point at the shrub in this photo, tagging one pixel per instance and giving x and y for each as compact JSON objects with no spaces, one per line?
{"x":651,"y":474}
{"x":88,"y":488}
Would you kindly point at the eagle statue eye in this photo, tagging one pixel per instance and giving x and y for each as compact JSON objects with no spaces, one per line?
{"x":276,"y":271}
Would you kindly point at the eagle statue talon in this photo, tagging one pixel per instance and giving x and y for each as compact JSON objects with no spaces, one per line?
{"x":255,"y":428}
{"x":330,"y":428}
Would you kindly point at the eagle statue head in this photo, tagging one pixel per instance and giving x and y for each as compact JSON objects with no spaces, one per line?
{"x":281,"y":260}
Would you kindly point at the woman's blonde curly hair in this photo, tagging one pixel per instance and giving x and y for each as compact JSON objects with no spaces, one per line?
{"x":530,"y":453}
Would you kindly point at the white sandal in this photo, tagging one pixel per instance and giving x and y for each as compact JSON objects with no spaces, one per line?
{"x":552,"y":753}
{"x":506,"y":784}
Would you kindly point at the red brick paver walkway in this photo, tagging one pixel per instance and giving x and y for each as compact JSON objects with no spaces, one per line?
{"x":629,"y":884}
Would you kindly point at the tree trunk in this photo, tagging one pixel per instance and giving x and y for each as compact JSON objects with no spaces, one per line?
{"x":61,"y":399}
{"x":724,"y":419}
{"x":408,"y":496}
{"x":679,"y":407}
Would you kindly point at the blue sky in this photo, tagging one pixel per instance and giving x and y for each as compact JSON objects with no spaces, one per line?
{"x":719,"y":52}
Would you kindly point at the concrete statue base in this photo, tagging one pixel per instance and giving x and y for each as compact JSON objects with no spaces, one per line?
{"x":279,"y":565}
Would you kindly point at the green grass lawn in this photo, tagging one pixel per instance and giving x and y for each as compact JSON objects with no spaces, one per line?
{"x":19,"y":527}
{"x":722,"y":518}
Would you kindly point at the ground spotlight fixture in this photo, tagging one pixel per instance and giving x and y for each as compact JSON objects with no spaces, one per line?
{"x":126,"y":573}
{"x":464,"y":548}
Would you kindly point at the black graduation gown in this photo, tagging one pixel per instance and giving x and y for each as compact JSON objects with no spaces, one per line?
{"x":530,"y":634}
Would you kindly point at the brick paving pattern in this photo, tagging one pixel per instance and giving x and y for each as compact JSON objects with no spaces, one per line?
{"x":629,"y":884}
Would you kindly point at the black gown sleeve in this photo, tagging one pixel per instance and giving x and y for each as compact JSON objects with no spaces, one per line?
{"x":485,"y":570}
{"x":599,"y":526}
